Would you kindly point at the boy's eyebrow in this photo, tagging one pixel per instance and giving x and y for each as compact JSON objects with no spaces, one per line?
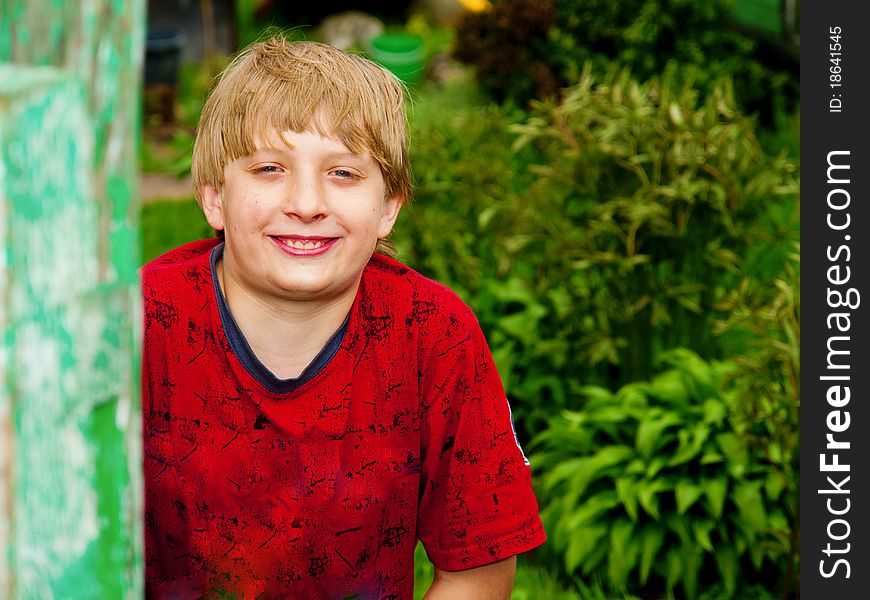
{"x":271,"y":149}
{"x":345,"y":155}
{"x":336,"y":155}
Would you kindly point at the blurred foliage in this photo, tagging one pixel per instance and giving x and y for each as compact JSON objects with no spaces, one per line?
{"x":508,"y":46}
{"x":608,"y":226}
{"x":170,"y":155}
{"x":436,"y":39}
{"x":660,"y":486}
{"x":526,"y":49}
{"x":167,"y":148}
{"x":167,"y":224}
{"x":767,"y":381}
{"x":784,"y":136}
{"x":247,"y":30}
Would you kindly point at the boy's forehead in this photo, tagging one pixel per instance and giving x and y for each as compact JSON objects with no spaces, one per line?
{"x":272,"y":140}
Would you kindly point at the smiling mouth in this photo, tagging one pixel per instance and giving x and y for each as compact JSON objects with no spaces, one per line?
{"x":302,"y":246}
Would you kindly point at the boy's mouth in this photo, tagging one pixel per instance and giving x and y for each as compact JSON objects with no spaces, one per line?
{"x":303,"y":246}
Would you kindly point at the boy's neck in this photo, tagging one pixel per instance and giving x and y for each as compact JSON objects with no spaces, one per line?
{"x":284,"y":337}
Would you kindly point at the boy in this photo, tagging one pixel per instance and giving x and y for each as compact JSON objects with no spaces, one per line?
{"x":311,"y":407}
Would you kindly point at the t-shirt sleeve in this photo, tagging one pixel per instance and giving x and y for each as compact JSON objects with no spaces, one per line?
{"x":477,"y":505}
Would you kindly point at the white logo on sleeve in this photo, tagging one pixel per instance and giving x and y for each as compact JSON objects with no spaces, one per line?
{"x":514,"y":430}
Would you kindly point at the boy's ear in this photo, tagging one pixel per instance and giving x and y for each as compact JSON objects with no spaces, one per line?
{"x":390,"y":213}
{"x":212,"y":206}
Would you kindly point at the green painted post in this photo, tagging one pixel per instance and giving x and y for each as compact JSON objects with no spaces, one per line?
{"x":70,"y":449}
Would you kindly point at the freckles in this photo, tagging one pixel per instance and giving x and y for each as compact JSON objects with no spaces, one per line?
{"x":252,"y":207}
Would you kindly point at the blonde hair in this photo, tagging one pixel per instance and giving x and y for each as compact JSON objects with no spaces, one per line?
{"x":278,"y":85}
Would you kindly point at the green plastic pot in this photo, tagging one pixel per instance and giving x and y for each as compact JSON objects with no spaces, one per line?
{"x":401,"y":53}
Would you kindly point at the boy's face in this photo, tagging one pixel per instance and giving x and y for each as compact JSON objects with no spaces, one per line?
{"x":300,"y":220}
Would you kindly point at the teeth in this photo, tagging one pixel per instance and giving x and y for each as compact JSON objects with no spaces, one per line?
{"x":303,"y":244}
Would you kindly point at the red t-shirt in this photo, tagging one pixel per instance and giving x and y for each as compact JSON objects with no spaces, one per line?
{"x":323,"y":491}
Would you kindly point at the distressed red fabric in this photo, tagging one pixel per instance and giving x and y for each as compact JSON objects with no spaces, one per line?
{"x":323,"y":492}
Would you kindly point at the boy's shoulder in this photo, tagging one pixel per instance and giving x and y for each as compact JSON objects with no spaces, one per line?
{"x":189,"y":262}
{"x":396,"y":282}
{"x":395,"y":290}
{"x":191,"y":251}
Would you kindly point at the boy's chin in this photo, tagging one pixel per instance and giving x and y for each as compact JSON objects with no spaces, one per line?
{"x":311,"y":290}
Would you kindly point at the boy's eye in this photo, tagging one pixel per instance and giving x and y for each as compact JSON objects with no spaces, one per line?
{"x":344,"y":174}
{"x":267,"y":169}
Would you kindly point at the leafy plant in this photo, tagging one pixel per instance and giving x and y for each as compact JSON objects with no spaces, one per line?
{"x":657,"y":486}
{"x":171,"y":156}
{"x":668,"y":191}
{"x":767,"y":384}
{"x":592,"y":234}
{"x":463,"y":169}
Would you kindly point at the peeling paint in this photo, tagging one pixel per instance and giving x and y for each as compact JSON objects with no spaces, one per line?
{"x":70,"y":428}
{"x":6,"y":429}
{"x":58,"y":460}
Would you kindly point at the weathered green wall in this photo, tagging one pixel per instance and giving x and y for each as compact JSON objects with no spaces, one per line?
{"x":70,"y":450}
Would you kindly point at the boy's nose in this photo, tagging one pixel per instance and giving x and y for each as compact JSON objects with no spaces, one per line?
{"x":304,"y":200}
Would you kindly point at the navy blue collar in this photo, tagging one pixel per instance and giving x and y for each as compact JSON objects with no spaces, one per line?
{"x":246,"y":356}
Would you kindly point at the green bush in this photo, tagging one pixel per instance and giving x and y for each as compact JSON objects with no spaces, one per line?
{"x":593,"y":234}
{"x":654,"y":200}
{"x":657,"y":487}
{"x":767,"y":382}
{"x":464,"y":167}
